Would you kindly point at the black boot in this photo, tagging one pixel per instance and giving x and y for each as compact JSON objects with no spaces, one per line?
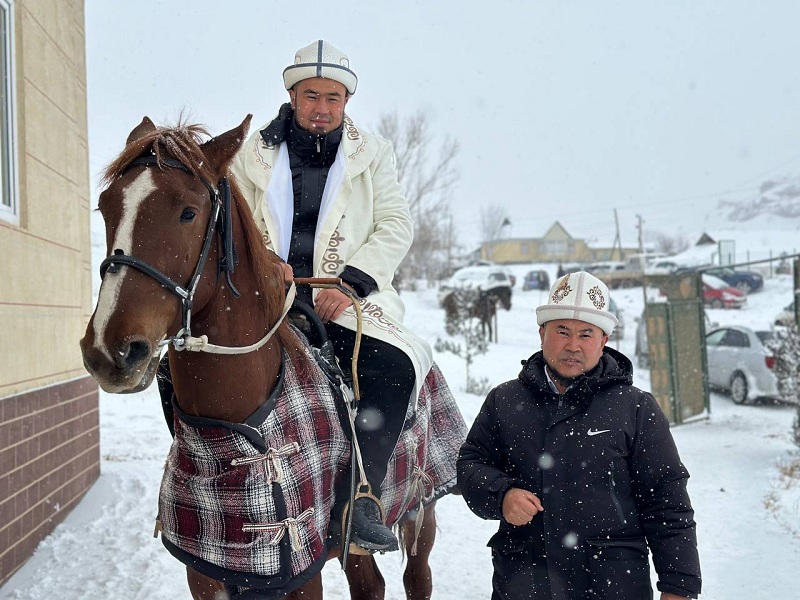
{"x":368,"y":529}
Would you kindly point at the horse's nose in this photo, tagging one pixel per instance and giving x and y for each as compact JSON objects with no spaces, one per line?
{"x":132,"y":353}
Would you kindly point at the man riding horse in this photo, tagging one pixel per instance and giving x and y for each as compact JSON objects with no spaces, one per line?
{"x":326,"y":196}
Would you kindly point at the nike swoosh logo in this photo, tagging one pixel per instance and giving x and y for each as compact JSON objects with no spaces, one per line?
{"x":596,"y":432}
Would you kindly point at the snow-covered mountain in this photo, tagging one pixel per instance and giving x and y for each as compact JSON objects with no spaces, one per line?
{"x":756,"y":228}
{"x":779,"y":198}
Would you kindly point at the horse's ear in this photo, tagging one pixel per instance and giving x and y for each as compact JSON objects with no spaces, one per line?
{"x":141,"y":130}
{"x":221,"y":149}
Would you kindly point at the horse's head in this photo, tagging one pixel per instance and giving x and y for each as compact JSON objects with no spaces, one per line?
{"x":157,"y":207}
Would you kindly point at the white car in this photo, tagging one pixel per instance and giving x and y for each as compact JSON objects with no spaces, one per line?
{"x":482,"y":279}
{"x":740,"y":362}
{"x":661,"y":267}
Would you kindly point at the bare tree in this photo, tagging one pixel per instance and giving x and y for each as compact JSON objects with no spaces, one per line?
{"x":670,"y":244}
{"x":428,"y":176}
{"x":494,"y":217}
{"x":467,"y":335}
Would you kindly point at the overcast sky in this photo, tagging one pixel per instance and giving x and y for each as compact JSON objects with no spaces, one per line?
{"x":564,"y":110}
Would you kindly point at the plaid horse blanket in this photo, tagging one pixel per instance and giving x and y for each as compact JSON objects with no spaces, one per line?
{"x":249,"y":503}
{"x":423,"y":466}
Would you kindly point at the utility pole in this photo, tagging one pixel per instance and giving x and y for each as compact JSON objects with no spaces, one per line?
{"x":639,"y":223}
{"x":642,"y":262}
{"x":617,"y":245}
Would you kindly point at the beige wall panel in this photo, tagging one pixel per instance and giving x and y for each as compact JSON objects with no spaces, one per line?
{"x":45,"y":298}
{"x":48,"y":140}
{"x":40,"y":273}
{"x":57,"y":18}
{"x":39,"y":347}
{"x":86,"y":265}
{"x":48,"y":69}
{"x":81,"y":175}
{"x":77,"y":156}
{"x":55,"y":206}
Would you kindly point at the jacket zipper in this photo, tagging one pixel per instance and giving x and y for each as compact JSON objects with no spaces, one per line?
{"x":614,"y":499}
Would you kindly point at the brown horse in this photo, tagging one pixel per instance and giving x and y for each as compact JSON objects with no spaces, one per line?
{"x":463,"y":304}
{"x":185,"y":256}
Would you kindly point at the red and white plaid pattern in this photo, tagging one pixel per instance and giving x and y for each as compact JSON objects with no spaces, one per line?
{"x":217,"y":498}
{"x":217,"y":501}
{"x":423,"y":466}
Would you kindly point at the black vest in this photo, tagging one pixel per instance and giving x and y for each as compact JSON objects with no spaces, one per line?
{"x":310,"y":159}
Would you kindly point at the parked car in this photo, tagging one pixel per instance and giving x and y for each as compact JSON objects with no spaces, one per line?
{"x":744,"y":281}
{"x":481,"y":278}
{"x":536,"y":280}
{"x":603,"y":267}
{"x":718,"y":294}
{"x":640,"y":262}
{"x":619,"y":330}
{"x":740,"y":362}
{"x":661,"y":267}
{"x":786,"y":317}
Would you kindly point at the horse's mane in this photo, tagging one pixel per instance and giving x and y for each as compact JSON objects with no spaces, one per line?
{"x":182,"y":142}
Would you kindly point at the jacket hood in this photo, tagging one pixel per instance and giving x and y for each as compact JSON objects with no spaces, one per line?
{"x":614,"y":367}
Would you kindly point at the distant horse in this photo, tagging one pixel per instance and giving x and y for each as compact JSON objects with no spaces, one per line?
{"x":477,"y":304}
{"x":255,"y":418}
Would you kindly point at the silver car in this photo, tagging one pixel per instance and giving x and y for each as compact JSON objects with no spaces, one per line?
{"x":740,"y":362}
{"x":619,"y":330}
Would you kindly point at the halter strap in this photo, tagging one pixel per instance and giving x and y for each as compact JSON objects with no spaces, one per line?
{"x":218,"y":205}
{"x":200,"y":344}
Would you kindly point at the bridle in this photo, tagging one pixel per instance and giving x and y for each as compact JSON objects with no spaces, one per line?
{"x":220,"y":222}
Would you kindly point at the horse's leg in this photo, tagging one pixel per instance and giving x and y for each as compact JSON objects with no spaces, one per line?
{"x":312,"y":590}
{"x":364,"y":578}
{"x":205,"y":588}
{"x":417,"y":578}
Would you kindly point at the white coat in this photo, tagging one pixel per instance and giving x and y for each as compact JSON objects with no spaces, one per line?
{"x":363,"y":222}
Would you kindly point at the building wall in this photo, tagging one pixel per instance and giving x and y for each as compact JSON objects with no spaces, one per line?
{"x":49,"y":442}
{"x":556,"y":246}
{"x":556,"y":249}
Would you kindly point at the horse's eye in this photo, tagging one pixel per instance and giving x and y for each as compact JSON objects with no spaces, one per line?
{"x":188,"y":215}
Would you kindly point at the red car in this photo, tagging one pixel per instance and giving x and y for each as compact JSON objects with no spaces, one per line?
{"x":718,"y":294}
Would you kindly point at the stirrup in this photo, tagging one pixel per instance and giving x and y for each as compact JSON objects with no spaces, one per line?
{"x":364,"y":490}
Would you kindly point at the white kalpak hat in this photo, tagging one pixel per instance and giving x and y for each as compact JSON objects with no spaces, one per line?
{"x":320,"y":59}
{"x":580,"y":296}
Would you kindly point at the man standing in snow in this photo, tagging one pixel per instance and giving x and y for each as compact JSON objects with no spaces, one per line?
{"x":326,"y":198}
{"x":580,"y":468}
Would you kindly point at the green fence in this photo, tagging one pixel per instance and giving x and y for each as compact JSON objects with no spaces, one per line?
{"x":676,"y":343}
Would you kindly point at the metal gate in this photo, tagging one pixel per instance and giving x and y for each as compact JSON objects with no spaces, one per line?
{"x":676,"y":343}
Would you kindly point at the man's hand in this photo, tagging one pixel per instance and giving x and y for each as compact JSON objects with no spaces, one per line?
{"x":288,"y":273}
{"x":330,"y":303}
{"x":520,"y":506}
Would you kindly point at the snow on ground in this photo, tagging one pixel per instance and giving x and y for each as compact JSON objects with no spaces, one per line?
{"x":747,"y":509}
